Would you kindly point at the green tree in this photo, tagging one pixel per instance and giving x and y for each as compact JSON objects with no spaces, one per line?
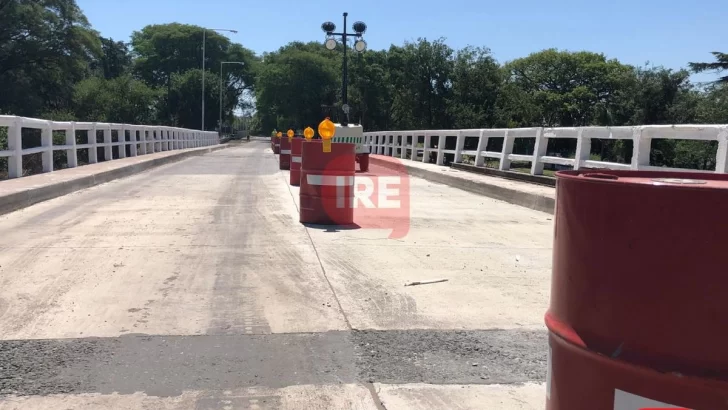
{"x":120,"y":100}
{"x":476,"y":84}
{"x":293,"y":84}
{"x":370,"y":90}
{"x":166,"y":56}
{"x":570,"y":88}
{"x":653,"y":95}
{"x":183,"y":99}
{"x":713,"y":105}
{"x":46,"y":46}
{"x":115,"y":59}
{"x":720,"y":64}
{"x":421,"y":74}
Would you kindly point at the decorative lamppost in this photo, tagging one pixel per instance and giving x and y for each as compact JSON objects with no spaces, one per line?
{"x":204,"y":40}
{"x":359,"y":46}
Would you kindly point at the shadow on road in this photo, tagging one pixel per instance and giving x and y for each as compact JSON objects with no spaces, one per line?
{"x":332,"y":228}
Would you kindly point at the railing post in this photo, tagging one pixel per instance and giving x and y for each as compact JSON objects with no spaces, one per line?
{"x":583,"y":149}
{"x":152,"y":140}
{"x":403,"y":152}
{"x":15,"y":143}
{"x":505,"y":162}
{"x":142,"y":140}
{"x":459,"y":146}
{"x":441,"y":148}
{"x":122,"y":141}
{"x":641,"y":146}
{"x":721,"y":156}
{"x":133,"y":138}
{"x":93,"y":145}
{"x":482,"y":145}
{"x":71,"y":153}
{"x":426,"y":148}
{"x":163,"y":139}
{"x":539,"y":150}
{"x":108,"y":153}
{"x":46,"y":138}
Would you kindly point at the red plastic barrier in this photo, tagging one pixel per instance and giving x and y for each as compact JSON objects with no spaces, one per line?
{"x":284,"y":159}
{"x":327,"y":183}
{"x":295,"y":178}
{"x":639,"y":297}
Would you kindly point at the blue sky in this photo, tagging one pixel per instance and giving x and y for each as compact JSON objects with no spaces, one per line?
{"x":663,"y":32}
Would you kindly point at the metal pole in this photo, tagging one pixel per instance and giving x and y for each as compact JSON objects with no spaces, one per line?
{"x":204,"y":33}
{"x":220,"y":125}
{"x":344,"y":97}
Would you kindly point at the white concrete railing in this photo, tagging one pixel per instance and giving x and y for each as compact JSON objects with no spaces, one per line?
{"x":398,"y":143}
{"x":142,"y":139}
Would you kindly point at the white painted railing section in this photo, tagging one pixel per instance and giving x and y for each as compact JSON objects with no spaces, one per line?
{"x":400,"y":143}
{"x":142,"y":139}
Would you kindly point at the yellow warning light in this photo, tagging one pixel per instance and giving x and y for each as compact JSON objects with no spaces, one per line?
{"x":308,"y":133}
{"x":280,"y":134}
{"x":290,"y":134}
{"x":326,"y":130}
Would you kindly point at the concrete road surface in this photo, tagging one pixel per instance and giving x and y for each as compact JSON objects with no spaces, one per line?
{"x":193,"y":286}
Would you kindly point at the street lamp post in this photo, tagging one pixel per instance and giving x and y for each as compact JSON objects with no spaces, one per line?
{"x":204,"y":37}
{"x":359,"y":46}
{"x":221,"y":64}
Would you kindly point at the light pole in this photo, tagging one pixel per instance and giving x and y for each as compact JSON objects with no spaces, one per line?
{"x":221,"y":64}
{"x":359,"y":45}
{"x":204,"y":37}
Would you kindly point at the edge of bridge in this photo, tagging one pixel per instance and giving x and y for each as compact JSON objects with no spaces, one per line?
{"x":23,"y":192}
{"x":526,"y":194}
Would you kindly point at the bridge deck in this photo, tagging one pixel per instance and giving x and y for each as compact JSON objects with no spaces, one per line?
{"x":193,"y":286}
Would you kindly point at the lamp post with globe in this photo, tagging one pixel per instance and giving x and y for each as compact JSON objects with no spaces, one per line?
{"x":359,"y":46}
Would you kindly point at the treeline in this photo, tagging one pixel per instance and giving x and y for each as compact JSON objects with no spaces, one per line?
{"x":429,"y":85}
{"x":54,"y":65}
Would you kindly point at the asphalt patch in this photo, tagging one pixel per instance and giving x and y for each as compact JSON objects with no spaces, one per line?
{"x":168,"y":365}
{"x":451,"y":357}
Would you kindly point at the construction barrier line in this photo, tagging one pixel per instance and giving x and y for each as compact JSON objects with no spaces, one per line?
{"x":295,"y":159}
{"x":285,"y":151}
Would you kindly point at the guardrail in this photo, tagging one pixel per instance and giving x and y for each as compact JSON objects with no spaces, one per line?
{"x":141,"y":139}
{"x":405,"y":144}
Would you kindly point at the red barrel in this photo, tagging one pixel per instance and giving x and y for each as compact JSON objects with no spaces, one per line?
{"x":284,"y":159}
{"x":295,"y":178}
{"x":639,"y":295}
{"x":327,"y":183}
{"x":276,"y":145}
{"x":273,"y":143}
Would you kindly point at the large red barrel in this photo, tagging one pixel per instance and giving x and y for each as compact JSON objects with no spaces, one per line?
{"x":276,"y":145}
{"x":273,"y":143}
{"x":284,"y":159}
{"x":327,"y":183}
{"x":295,"y":178}
{"x":639,"y":298}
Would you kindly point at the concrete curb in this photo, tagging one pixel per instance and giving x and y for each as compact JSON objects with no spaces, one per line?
{"x":526,"y":199}
{"x":516,"y":176}
{"x":23,"y":199}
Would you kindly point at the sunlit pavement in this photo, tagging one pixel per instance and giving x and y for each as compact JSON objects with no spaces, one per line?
{"x":194,"y":286}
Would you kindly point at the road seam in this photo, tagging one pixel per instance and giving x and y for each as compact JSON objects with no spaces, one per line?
{"x":375,"y":396}
{"x":318,"y":258}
